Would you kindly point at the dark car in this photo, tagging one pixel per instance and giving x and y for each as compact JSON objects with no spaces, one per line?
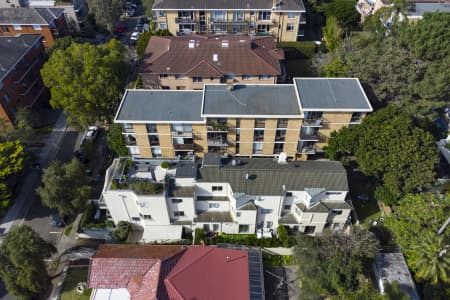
{"x":56,"y":220}
{"x":143,"y":20}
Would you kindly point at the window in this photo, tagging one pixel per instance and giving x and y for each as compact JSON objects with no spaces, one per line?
{"x":163,"y":75}
{"x":288,"y":194}
{"x":278,"y":148}
{"x":264,"y":15}
{"x":161,"y":13}
{"x":258,"y":135}
{"x":356,"y":117}
{"x":176,"y":200}
{"x":179,"y":76}
{"x":313,"y":115}
{"x":290,"y":27}
{"x":197,"y":79}
{"x":333,"y":193}
{"x":179,"y":87}
{"x":257,"y":148}
{"x":244,"y":228}
{"x":238,"y":15}
{"x":217,"y":188}
{"x":156,"y":151}
{"x":151,"y":128}
{"x":5,"y":29}
{"x":265,"y":77}
{"x":206,"y":227}
{"x":287,"y":207}
{"x":263,"y":27}
{"x":265,"y":211}
{"x":247,"y":77}
{"x":17,"y":27}
{"x":309,"y":229}
{"x":219,"y":15}
{"x":178,"y":213}
{"x":260,"y":123}
{"x":215,"y":227}
{"x":269,"y":224}
{"x":137,"y":219}
{"x":134,"y":150}
{"x":162,"y":25}
{"x":336,"y":212}
{"x":154,"y":140}
{"x":228,"y":77}
{"x":37,"y":27}
{"x":146,"y":217}
{"x":238,"y":214}
{"x":292,"y":15}
{"x":282,"y":123}
{"x":280,"y":135}
{"x":213,"y":205}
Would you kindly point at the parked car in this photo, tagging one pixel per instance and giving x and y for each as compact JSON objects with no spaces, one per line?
{"x":135,"y":36}
{"x":138,"y":27}
{"x":92,"y":133}
{"x":56,"y":220}
{"x":144,"y":20}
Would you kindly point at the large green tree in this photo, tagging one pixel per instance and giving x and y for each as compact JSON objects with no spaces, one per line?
{"x":86,"y":81}
{"x":12,"y":158}
{"x":21,"y":262}
{"x":344,"y":11}
{"x":390,"y":145}
{"x":340,"y":262}
{"x":332,"y":33}
{"x":65,"y":187}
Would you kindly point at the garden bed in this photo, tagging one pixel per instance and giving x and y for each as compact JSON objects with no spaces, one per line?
{"x":73,"y":276}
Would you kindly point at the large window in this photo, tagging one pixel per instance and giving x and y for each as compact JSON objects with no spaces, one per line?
{"x":244,"y":228}
{"x":151,"y":128}
{"x":264,"y":15}
{"x":265,"y":211}
{"x":197,"y":79}
{"x":217,"y":188}
{"x":309,"y":229}
{"x":178,"y":213}
{"x":37,"y":27}
{"x":238,"y":15}
{"x":263,"y":28}
{"x":213,"y":205}
{"x":257,"y":148}
{"x":177,"y":200}
{"x":258,"y":136}
{"x":292,"y":15}
{"x":215,"y":227}
{"x":290,"y":27}
{"x":156,"y":151}
{"x":219,"y":15}
{"x":162,"y":25}
{"x":17,"y":27}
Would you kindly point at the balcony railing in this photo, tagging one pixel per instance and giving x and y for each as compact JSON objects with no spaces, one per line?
{"x":218,"y":128}
{"x":309,"y":136}
{"x":228,"y":21}
{"x":185,"y":20}
{"x":307,"y":150}
{"x":280,"y":138}
{"x":312,"y":122}
{"x":259,"y":138}
{"x":217,"y":142}
{"x":187,"y":147}
{"x":187,"y":134}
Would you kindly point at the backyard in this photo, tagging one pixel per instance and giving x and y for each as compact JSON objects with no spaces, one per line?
{"x":298,"y":58}
{"x":75,"y":275}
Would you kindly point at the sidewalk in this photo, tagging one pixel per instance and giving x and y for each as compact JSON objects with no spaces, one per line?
{"x":21,"y":205}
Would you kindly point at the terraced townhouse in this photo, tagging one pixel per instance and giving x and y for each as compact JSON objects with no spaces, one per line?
{"x":282,"y":19}
{"x":242,"y":120}
{"x":187,"y":63}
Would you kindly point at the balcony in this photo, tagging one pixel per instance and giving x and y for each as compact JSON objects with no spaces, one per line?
{"x":309,"y":136}
{"x":184,"y":147}
{"x":280,"y":138}
{"x":185,"y":20}
{"x":217,"y":142}
{"x":226,"y":21}
{"x":312,"y":123}
{"x":217,"y":128}
{"x":310,"y":149}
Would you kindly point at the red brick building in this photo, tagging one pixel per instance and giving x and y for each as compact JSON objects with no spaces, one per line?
{"x":48,"y":22}
{"x":21,"y":84}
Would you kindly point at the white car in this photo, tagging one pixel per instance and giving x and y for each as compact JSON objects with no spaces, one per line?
{"x":135,"y":36}
{"x":92,"y":133}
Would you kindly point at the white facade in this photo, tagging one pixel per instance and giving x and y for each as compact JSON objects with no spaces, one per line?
{"x":214,"y":206}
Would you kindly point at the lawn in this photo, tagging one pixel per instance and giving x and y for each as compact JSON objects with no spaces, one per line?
{"x":73,"y":277}
{"x":362,"y":185}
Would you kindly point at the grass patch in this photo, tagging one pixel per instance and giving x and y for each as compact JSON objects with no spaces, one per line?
{"x":362,"y":185}
{"x":75,"y":275}
{"x":68,"y":229}
{"x":303,"y":48}
{"x":278,"y":260}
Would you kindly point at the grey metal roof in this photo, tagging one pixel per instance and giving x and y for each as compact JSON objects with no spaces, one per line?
{"x":12,"y":48}
{"x":29,"y":15}
{"x":422,"y":8}
{"x":288,"y":219}
{"x":254,"y":100}
{"x":214,"y":216}
{"x":267,"y":177}
{"x":249,"y":206}
{"x":212,"y":198}
{"x":186,"y":169}
{"x":160,"y":106}
{"x":291,"y":5}
{"x":332,"y":93}
{"x":211,"y":159}
{"x":181,"y":191}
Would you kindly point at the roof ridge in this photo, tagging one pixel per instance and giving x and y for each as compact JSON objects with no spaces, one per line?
{"x":204,"y":60}
{"x":209,"y":249}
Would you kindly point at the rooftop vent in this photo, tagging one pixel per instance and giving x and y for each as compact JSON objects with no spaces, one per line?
{"x":225,"y":44}
{"x":282,"y":158}
{"x":191,"y":44}
{"x":215,"y":57}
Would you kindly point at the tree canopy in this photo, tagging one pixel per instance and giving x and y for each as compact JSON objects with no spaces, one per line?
{"x":390,"y":145}
{"x":65,"y":187}
{"x":344,"y":11}
{"x":107,"y":12}
{"x":338,"y":261}
{"x":332,"y":33}
{"x":116,"y":141}
{"x":21,"y":262}
{"x":12,"y":158}
{"x":86,"y":81}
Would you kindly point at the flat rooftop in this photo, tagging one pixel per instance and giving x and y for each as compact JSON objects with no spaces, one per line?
{"x":286,"y":5}
{"x":334,"y":94}
{"x":250,"y":100}
{"x":160,"y":106}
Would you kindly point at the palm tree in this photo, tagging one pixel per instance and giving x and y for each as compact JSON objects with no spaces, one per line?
{"x":431,"y":259}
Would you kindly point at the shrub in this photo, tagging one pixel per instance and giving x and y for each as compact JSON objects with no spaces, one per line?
{"x":122,"y":231}
{"x":199,"y":234}
{"x":305,"y":48}
{"x":165,"y":164}
{"x":283,"y":235}
{"x":88,"y":216}
{"x":68,"y":229}
{"x":146,"y":188}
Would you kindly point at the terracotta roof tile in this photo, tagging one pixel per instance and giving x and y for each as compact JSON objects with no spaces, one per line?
{"x":244,"y":55}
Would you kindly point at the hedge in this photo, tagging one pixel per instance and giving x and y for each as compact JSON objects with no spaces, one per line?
{"x":306,"y":48}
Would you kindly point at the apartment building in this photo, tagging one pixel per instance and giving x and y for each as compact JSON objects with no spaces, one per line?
{"x":282,"y":19}
{"x":187,"y":63}
{"x":48,"y":22}
{"x":254,"y":120}
{"x":21,"y":84}
{"x":226,"y":195}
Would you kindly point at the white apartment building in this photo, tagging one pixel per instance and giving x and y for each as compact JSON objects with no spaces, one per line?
{"x":226,"y":195}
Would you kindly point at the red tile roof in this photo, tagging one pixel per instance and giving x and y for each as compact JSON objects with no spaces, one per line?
{"x":135,"y":267}
{"x":208,"y":273}
{"x":244,"y":55}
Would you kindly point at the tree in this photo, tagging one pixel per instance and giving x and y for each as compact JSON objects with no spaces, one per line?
{"x":21,"y":262}
{"x":142,"y":43}
{"x":12,"y":157}
{"x":147,"y":4}
{"x":65,"y":187}
{"x":344,"y":11}
{"x":336,"y":68}
{"x":116,"y":141}
{"x":430,"y":259}
{"x":390,"y":146}
{"x":338,"y":261}
{"x":332,"y":33}
{"x":86,"y":81}
{"x":107,"y":12}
